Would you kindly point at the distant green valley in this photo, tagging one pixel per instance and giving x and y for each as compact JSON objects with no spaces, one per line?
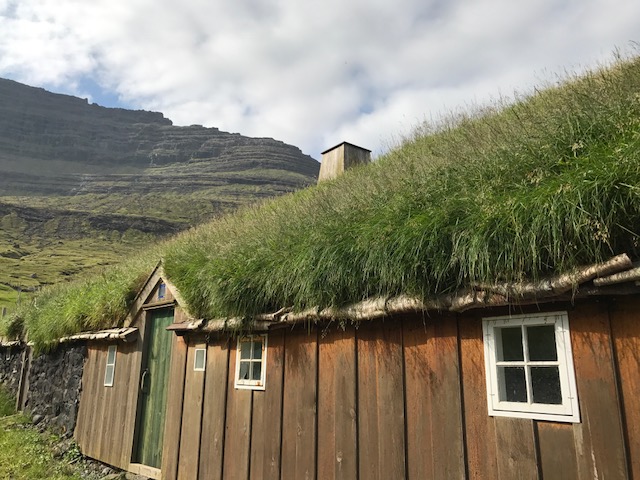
{"x":83,"y":185}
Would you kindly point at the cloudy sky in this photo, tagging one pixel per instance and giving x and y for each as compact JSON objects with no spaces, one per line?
{"x":308,"y":73}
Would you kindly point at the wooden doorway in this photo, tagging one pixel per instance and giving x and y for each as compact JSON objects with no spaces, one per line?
{"x":154,"y":381}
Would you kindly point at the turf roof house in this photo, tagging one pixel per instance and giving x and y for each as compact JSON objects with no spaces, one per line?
{"x":518,"y":380}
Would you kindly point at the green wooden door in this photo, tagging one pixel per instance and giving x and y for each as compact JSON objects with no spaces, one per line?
{"x":153,"y":388}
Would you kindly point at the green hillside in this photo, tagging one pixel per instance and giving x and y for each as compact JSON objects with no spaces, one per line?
{"x":82,"y":185}
{"x":514,"y":192}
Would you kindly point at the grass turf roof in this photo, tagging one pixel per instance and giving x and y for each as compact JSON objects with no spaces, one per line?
{"x":515,"y":192}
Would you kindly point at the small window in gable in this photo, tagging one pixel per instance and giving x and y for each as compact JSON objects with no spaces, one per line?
{"x":110,"y":370}
{"x":162,"y":291}
{"x":200,"y":359}
{"x":529,"y":367}
{"x":251,"y":360}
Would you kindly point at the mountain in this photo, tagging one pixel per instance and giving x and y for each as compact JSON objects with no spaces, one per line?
{"x":81,"y":184}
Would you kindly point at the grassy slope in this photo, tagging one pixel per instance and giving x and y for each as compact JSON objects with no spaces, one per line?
{"x":47,"y":256}
{"x":517,"y":191}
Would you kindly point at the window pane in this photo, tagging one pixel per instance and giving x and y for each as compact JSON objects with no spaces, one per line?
{"x":511,"y":343}
{"x":541,"y":342}
{"x":244,"y":371}
{"x":245,"y":350}
{"x":545,"y":382}
{"x":513,"y":383}
{"x":257,"y":370}
{"x":200,"y":359}
{"x":108,"y":376}
{"x":111,"y":355}
{"x":257,"y":348}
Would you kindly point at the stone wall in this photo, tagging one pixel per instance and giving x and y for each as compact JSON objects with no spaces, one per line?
{"x":55,"y":382}
{"x":10,"y":365}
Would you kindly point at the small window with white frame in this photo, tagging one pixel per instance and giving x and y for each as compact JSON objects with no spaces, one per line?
{"x":200,"y":359}
{"x":110,"y":370}
{"x":529,"y":367}
{"x":251,"y":361}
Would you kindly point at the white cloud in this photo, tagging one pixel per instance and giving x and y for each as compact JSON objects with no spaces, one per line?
{"x":306,"y":73}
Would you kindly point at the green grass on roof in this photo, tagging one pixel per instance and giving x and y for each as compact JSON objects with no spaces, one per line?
{"x":514,"y":192}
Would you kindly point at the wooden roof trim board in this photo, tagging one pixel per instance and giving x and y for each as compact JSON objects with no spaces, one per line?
{"x":126,"y":334}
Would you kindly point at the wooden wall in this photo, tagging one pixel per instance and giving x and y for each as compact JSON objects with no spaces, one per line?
{"x":106,"y":416}
{"x":400,"y":398}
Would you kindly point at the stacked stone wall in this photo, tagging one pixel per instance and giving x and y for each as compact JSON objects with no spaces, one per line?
{"x":55,"y":383}
{"x":10,"y":367}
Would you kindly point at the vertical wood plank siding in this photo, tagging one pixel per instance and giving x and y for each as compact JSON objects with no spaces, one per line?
{"x":102,"y":427}
{"x":435,"y":446}
{"x":400,"y":398}
{"x":337,"y":406}
{"x":191,"y":418}
{"x":237,"y":435}
{"x":175,"y":398}
{"x":266,"y":425}
{"x":300,"y":405}
{"x":600,"y":440}
{"x":625,"y":329}
{"x":381,"y":420}
{"x":214,"y":410}
{"x":480,"y":429}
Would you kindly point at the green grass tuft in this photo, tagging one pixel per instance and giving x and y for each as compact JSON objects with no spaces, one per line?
{"x":517,"y":191}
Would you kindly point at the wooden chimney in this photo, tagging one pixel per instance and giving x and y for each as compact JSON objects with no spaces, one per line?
{"x":340,"y":158}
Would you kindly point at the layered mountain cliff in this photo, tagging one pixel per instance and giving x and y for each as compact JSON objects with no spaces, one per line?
{"x":71,"y":171}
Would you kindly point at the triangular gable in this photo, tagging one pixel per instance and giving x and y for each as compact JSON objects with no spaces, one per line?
{"x":148,"y":296}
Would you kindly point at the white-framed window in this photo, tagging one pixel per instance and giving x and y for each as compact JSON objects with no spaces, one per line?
{"x":110,"y":370}
{"x":529,"y":367}
{"x":200,"y":359}
{"x":251,"y":362}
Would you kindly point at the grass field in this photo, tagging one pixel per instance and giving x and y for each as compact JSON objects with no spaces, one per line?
{"x":25,"y":453}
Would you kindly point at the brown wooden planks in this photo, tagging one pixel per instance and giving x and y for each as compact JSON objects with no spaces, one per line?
{"x":266,"y":424}
{"x":99,"y":423}
{"x":131,"y":398}
{"x":337,"y":405}
{"x":299,"y":422}
{"x":479,"y":426}
{"x":173,"y":424}
{"x":191,"y":418}
{"x":557,"y":451}
{"x":435,"y":447}
{"x":118,"y":407}
{"x":214,"y":410}
{"x":625,"y":328}
{"x":110,"y":407}
{"x":86,"y":411}
{"x":237,"y":428}
{"x":516,"y":449}
{"x":599,"y":437}
{"x":381,"y":401}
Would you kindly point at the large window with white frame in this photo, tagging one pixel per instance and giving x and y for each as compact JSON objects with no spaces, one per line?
{"x":529,"y":367}
{"x":251,"y":362}
{"x":110,"y":369}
